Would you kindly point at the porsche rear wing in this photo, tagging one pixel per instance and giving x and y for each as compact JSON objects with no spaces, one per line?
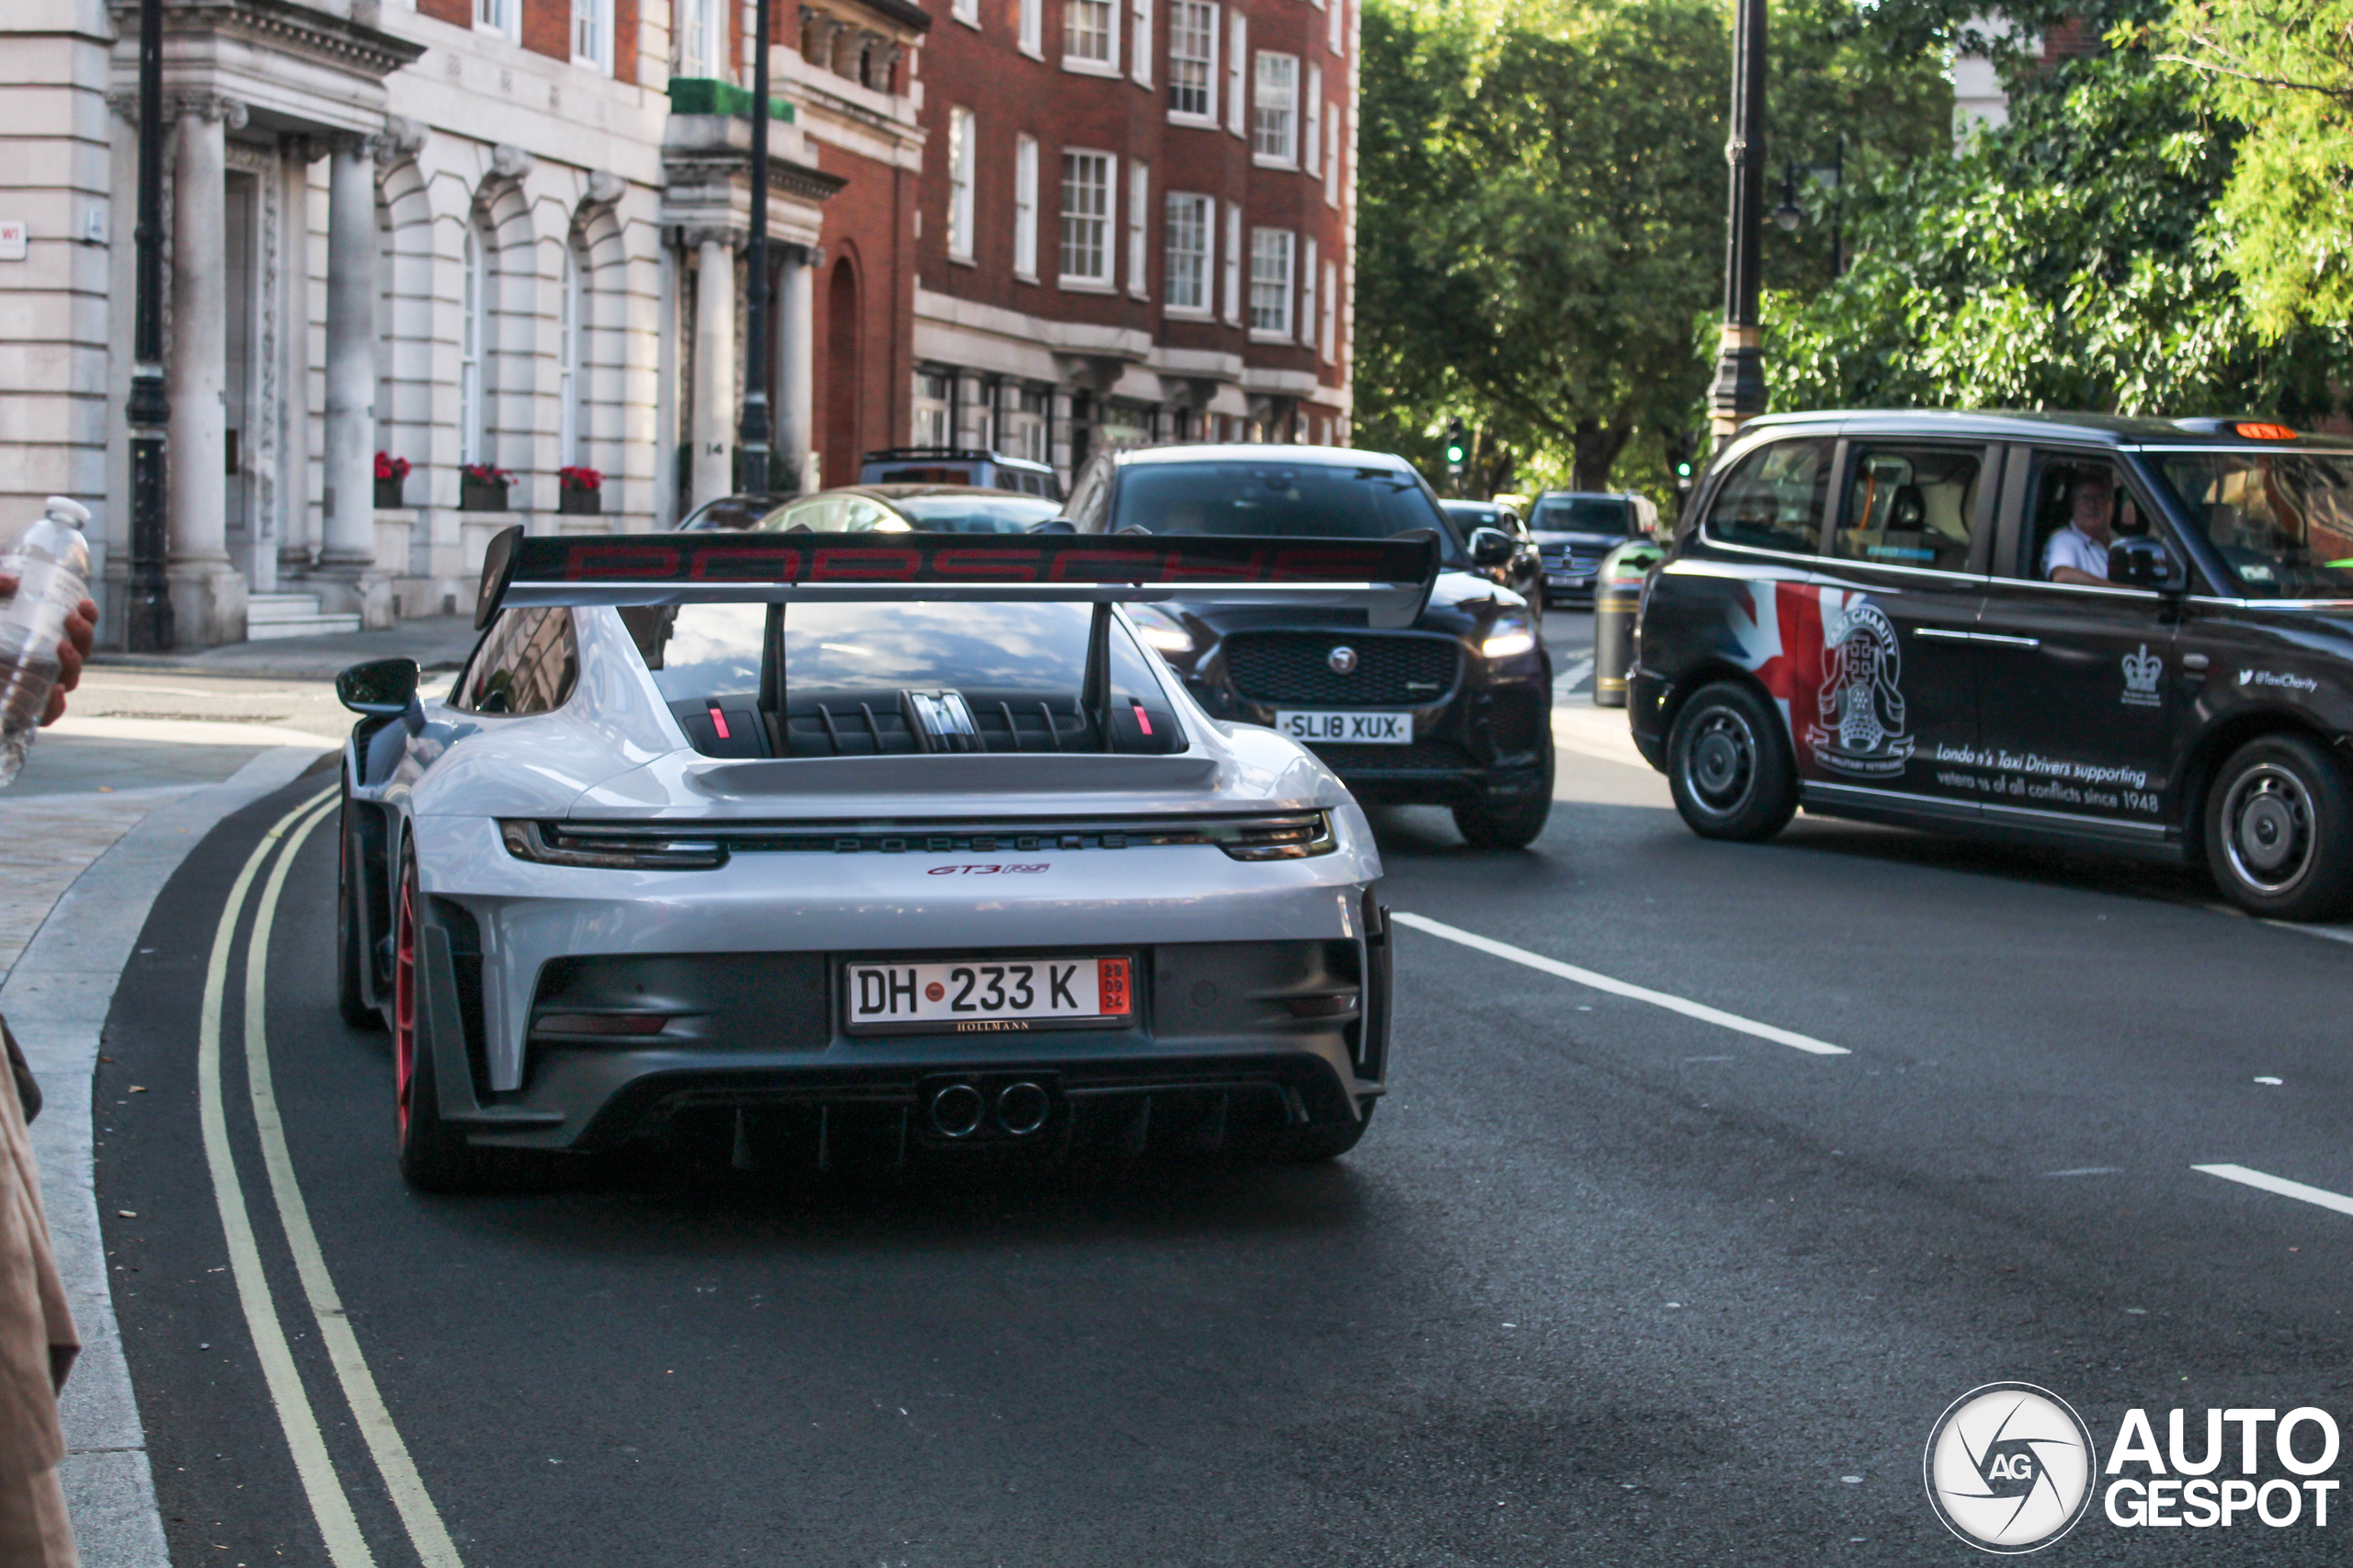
{"x":1388,"y":578}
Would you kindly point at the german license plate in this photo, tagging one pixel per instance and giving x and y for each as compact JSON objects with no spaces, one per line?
{"x":1342,"y":725}
{"x":987,"y":995}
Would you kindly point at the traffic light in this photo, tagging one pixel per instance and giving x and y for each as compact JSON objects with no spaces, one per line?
{"x":1458,"y":448}
{"x":1682,"y":448}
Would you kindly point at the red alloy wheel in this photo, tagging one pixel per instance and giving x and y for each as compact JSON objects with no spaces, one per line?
{"x":404,"y":1006}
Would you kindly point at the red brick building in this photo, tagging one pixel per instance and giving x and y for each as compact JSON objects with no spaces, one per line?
{"x":1135,"y":221}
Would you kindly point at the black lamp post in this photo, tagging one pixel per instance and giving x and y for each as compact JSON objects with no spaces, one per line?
{"x":147,"y":627}
{"x":1738,"y":394}
{"x":753,"y":430}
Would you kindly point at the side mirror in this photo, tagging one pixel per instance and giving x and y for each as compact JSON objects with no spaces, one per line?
{"x":2138,"y":564}
{"x":1055,"y":526}
{"x":1491,"y":547}
{"x":382,"y":688}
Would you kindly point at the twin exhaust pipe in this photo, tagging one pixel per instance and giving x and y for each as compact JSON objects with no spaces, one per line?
{"x":961,"y":1110}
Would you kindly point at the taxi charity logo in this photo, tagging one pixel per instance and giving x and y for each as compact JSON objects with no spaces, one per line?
{"x":2011,"y":1468}
{"x":2142,"y":671}
{"x":1860,"y":706}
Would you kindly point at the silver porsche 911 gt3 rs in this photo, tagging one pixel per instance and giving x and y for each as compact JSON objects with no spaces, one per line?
{"x":836,"y":849}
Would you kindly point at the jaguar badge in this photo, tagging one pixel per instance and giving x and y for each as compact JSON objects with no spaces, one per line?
{"x":1342,"y":660}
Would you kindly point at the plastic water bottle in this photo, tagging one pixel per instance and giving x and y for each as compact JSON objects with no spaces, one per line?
{"x":50,"y":561}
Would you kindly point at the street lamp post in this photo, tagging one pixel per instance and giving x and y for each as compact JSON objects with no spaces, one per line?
{"x":147,"y":627}
{"x":753,"y":430}
{"x":1738,"y":394}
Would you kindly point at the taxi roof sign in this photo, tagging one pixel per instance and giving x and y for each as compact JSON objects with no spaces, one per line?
{"x":2257,"y":432}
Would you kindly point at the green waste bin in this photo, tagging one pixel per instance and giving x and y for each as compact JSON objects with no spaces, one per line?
{"x":1617,"y":592}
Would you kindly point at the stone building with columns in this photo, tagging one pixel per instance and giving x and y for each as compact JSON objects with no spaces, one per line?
{"x":499,"y":242}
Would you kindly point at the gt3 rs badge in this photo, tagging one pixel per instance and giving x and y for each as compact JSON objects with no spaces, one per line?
{"x":983,"y":869}
{"x":1861,"y":705}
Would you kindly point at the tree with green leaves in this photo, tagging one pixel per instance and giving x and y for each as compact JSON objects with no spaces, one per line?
{"x":2283,"y":69}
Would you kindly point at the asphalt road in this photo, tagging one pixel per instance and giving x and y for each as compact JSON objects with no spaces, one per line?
{"x":1607,"y":1282}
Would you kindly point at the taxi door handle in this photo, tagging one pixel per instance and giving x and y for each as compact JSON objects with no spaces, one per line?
{"x":2001,"y":641}
{"x":1941,"y":634}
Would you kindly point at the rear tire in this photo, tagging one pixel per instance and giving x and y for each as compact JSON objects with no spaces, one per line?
{"x":350,"y":932}
{"x":434,"y":1156}
{"x":1313,"y":1144}
{"x":1729,"y":764}
{"x":2278,"y":829}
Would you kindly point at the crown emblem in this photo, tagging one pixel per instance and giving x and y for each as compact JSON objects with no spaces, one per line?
{"x":2141,"y":670}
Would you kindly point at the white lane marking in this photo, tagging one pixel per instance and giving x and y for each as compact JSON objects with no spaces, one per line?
{"x":1587,"y":977}
{"x":417,"y":1512}
{"x":1568,"y":680}
{"x":2281,"y":1186}
{"x":2088,"y":1170}
{"x":2332,"y":933}
{"x":345,"y":1546}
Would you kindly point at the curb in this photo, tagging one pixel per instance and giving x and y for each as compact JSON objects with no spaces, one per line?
{"x":57,"y":999}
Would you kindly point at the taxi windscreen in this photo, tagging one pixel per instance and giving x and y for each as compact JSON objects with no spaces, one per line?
{"x":2281,"y":522}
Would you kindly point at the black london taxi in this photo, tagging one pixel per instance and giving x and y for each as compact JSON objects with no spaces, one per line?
{"x":2076,"y":630}
{"x":1454,"y":710}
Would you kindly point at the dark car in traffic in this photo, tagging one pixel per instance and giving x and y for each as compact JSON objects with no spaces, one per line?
{"x":1575,"y":529}
{"x":976,"y":466}
{"x":1524,"y":572}
{"x":2132,"y":635}
{"x":1453,"y":710}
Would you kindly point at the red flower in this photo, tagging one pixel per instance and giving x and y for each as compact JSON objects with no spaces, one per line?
{"x":484,"y":473}
{"x":579,"y":479}
{"x":391,"y":467}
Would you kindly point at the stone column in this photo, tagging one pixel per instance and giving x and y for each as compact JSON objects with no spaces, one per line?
{"x":208,"y":593}
{"x":796,"y":430}
{"x":712,"y":472}
{"x":347,"y":513}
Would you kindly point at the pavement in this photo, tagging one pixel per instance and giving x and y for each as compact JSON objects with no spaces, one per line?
{"x":1711,"y":1174}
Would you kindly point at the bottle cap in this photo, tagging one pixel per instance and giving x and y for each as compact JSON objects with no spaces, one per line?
{"x":66,"y":509}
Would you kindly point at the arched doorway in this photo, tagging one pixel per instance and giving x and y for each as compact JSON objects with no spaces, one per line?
{"x":845,"y":386}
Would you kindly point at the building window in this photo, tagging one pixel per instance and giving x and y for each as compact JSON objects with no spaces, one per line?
{"x":592,"y":34}
{"x":1234,"y":263}
{"x":1087,"y":217}
{"x":1332,"y":160}
{"x":967,"y":12}
{"x":1141,"y":49}
{"x":933,"y":409}
{"x":1274,"y":110}
{"x":473,"y":321}
{"x":1331,"y":296}
{"x":1025,"y":208}
{"x":1187,"y":282}
{"x":498,"y":16}
{"x":1338,"y":40}
{"x":1033,"y":29}
{"x":1027,"y":426}
{"x":702,"y":38}
{"x":1270,"y":251}
{"x":1237,"y":54}
{"x":1139,"y":229}
{"x":1311,"y":145}
{"x":1192,"y":61}
{"x":960,"y":184}
{"x":572,"y":360}
{"x":1307,"y":295}
{"x":1091,"y":36}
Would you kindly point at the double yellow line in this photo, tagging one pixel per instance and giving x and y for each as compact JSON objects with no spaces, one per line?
{"x":329,"y":1504}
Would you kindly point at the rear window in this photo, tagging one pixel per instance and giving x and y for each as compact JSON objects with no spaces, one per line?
{"x":1274,"y":499}
{"x":929,"y":473}
{"x":973,"y":513}
{"x":1613,"y":515}
{"x":858,"y":680}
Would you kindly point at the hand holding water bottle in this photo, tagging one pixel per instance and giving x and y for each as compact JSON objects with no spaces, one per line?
{"x":45,"y":624}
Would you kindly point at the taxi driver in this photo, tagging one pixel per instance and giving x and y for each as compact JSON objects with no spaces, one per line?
{"x":2078,"y":553}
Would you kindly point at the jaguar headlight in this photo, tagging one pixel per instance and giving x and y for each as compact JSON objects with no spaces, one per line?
{"x":1161,"y":630}
{"x":1508,"y":638}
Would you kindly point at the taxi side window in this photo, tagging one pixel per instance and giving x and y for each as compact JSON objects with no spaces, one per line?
{"x":528,"y":663}
{"x":1774,"y":500}
{"x":1911,"y":506}
{"x":2075,"y":508}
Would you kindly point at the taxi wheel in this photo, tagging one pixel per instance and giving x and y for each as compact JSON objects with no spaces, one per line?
{"x":2280,"y":829}
{"x":1729,"y":766}
{"x":350,"y":934}
{"x":433,"y":1157}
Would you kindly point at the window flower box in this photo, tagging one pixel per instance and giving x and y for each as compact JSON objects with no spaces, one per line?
{"x":483,"y":488}
{"x":580,"y":492}
{"x":391,"y":473}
